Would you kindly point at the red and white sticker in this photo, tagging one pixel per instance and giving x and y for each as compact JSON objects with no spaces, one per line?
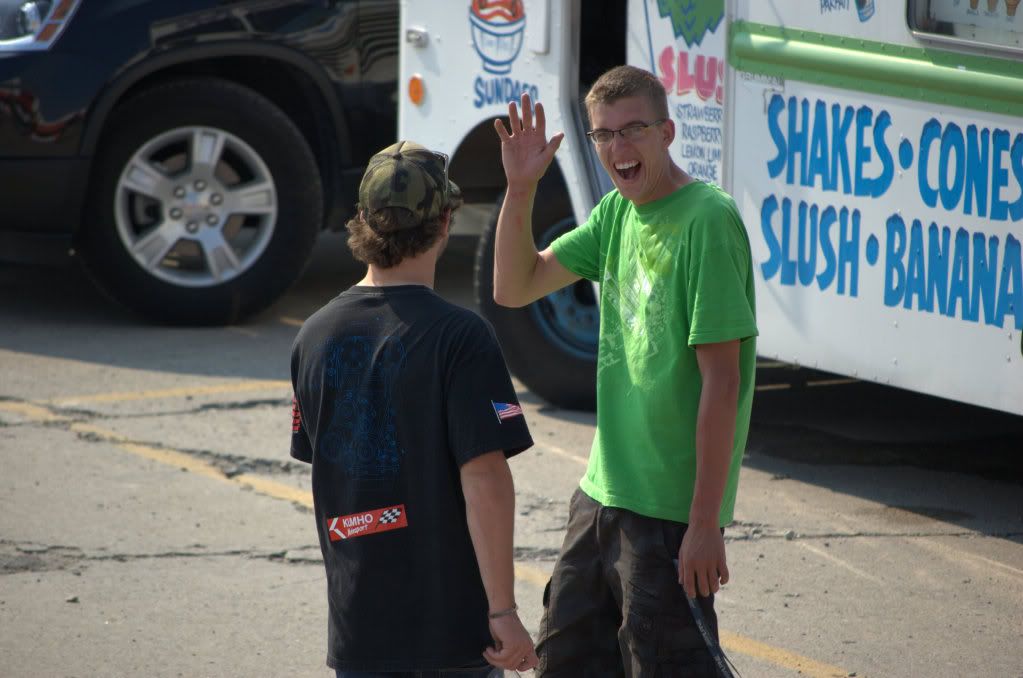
{"x":367,"y":522}
{"x":296,"y":416}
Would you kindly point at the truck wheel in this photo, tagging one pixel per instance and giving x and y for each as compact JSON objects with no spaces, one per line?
{"x":205,"y":203}
{"x":551,"y":345}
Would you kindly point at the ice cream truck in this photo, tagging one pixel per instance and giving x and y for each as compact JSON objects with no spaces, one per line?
{"x":874,"y":148}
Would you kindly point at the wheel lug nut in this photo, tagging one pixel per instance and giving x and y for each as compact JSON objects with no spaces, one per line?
{"x":200,"y":185}
{"x":192,"y":227}
{"x":212,"y":220}
{"x":175,"y":213}
{"x":179,"y":192}
{"x":216,"y":199}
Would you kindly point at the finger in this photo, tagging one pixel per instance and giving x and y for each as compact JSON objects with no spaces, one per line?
{"x":554,"y":144}
{"x":504,"y":659}
{"x":723,"y":571}
{"x":688,"y":577}
{"x":541,"y":119}
{"x":527,"y":112}
{"x":513,"y":117}
{"x":501,"y":131}
{"x":702,"y":581}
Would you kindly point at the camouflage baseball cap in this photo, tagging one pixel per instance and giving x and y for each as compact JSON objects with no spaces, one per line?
{"x":408,"y":175}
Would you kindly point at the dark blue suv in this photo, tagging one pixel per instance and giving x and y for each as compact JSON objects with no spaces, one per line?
{"x":189,"y":151}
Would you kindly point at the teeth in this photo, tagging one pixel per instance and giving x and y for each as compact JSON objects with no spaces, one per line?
{"x":626,"y":165}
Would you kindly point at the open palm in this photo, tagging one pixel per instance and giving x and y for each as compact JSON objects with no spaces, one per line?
{"x":525,"y":151}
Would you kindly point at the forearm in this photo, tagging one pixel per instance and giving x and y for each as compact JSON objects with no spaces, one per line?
{"x":715,"y":433}
{"x":515,"y":256}
{"x":490,"y":514}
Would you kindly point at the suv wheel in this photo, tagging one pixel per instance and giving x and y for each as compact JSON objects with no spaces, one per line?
{"x":205,"y":203}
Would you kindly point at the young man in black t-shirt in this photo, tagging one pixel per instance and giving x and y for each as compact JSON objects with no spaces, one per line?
{"x":405,"y":409}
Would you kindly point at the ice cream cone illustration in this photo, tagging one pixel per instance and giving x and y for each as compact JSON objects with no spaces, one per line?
{"x":992,"y":5}
{"x":1010,"y":7}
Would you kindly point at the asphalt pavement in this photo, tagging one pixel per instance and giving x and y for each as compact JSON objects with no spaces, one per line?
{"x":153,"y":524}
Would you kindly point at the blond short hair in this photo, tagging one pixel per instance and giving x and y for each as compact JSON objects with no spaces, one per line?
{"x":628,"y":81}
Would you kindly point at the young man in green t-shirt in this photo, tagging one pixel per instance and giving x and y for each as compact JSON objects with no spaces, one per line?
{"x":674,"y":383}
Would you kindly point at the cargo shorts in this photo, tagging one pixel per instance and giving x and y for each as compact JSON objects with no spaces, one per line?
{"x":613,"y":606}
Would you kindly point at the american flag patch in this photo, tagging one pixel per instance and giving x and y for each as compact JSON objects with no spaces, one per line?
{"x":506,"y":410}
{"x":368,"y":522}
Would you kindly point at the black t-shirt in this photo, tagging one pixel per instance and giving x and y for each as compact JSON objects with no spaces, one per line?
{"x":395,"y":389}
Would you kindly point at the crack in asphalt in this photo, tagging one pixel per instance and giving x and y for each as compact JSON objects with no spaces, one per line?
{"x":79,"y":414}
{"x":20,"y":557}
{"x":229,"y":464}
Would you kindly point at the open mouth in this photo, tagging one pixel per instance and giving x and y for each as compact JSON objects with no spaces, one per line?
{"x":627,"y":170}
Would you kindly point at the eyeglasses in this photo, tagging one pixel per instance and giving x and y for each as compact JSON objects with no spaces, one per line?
{"x":629,"y":133}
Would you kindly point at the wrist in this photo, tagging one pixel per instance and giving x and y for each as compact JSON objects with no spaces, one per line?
{"x":521,"y":189}
{"x":503,"y":612}
{"x":703,"y":518}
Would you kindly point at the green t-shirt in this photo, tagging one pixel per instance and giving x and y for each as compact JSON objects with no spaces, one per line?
{"x":673,"y":273}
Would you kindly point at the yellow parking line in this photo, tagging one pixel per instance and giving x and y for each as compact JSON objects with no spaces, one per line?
{"x":733,"y":642}
{"x":563,"y":453}
{"x":30,"y":411}
{"x":180,"y":392}
{"x":272,"y":488}
{"x":188,"y":462}
{"x":532,"y":575}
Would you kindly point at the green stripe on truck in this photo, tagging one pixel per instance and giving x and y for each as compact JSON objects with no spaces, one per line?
{"x":921,"y":74}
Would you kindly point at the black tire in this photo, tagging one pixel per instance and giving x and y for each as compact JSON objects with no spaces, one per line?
{"x":257,"y":129}
{"x":556,"y":360}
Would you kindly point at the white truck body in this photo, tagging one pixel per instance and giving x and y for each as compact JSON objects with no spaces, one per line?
{"x":874,"y":148}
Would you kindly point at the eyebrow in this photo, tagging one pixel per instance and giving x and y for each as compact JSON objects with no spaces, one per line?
{"x":628,"y":124}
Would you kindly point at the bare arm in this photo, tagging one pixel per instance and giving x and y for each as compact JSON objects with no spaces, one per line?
{"x":490,"y":514}
{"x":521,"y":274}
{"x":702,"y":562}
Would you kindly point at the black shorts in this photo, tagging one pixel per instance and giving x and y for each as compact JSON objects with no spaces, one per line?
{"x":614,"y":607}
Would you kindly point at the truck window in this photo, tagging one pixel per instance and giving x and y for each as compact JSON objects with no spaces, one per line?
{"x":984,"y":23}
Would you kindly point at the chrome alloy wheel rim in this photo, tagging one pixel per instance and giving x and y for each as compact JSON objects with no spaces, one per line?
{"x":195,"y":206}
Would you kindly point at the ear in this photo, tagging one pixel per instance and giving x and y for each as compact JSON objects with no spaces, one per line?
{"x":445,"y":219}
{"x":668,"y":131}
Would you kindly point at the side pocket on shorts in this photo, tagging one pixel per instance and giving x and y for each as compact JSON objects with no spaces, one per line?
{"x":661,"y":639}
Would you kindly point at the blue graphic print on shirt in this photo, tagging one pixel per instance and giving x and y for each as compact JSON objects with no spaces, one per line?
{"x":362,"y":372}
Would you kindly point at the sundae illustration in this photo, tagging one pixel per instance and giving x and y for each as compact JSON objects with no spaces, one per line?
{"x":497,"y":31}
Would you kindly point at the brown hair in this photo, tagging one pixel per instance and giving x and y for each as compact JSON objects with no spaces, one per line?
{"x":628,"y":81}
{"x":384,"y":239}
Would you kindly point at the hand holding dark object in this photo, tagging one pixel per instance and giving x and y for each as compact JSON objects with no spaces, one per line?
{"x":513,"y":646}
{"x":702,"y":567}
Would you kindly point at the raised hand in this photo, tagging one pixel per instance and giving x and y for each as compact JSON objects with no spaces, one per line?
{"x":525,"y":151}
